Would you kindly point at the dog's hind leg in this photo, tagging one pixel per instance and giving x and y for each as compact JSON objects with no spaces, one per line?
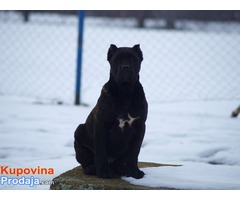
{"x":83,"y":154}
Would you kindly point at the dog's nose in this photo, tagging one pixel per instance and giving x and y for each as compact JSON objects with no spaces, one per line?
{"x":125,"y":67}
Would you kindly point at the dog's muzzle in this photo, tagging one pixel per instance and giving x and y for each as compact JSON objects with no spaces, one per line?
{"x":125,"y":74}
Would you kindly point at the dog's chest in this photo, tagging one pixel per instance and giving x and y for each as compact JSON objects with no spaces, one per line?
{"x":122,"y":132}
{"x":127,"y":120}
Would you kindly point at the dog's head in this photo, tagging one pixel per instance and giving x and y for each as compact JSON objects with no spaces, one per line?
{"x":125,"y":64}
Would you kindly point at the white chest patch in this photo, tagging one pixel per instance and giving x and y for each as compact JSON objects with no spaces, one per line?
{"x":130,"y":121}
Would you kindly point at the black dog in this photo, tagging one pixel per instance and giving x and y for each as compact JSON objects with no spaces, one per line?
{"x":109,"y":142}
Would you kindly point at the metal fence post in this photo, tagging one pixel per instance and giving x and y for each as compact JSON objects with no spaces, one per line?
{"x":81,"y":15}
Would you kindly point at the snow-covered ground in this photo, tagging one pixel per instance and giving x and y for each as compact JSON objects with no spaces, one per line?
{"x":200,"y":136}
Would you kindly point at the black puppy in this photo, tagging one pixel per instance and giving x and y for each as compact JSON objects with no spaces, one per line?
{"x":109,"y":142}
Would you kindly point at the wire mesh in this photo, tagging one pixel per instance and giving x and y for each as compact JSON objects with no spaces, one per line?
{"x":196,"y":61}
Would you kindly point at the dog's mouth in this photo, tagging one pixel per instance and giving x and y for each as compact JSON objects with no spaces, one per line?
{"x":125,"y":78}
{"x":125,"y":81}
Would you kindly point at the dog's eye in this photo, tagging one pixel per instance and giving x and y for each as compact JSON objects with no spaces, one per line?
{"x":115,"y":62}
{"x":132,"y":60}
{"x":118,"y":60}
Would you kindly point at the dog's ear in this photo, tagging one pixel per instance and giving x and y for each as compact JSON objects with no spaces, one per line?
{"x":112,"y":49}
{"x":137,"y":49}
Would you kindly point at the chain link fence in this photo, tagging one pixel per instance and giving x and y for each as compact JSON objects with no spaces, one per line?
{"x":194,"y":60}
{"x":38,"y":56}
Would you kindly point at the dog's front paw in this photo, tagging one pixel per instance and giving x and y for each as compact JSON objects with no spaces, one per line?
{"x":104,"y":172}
{"x":136,"y":173}
{"x":89,"y":170}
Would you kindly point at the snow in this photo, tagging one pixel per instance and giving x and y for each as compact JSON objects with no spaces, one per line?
{"x":200,"y":136}
{"x":37,"y":135}
{"x":191,"y":176}
{"x":183,"y":128}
